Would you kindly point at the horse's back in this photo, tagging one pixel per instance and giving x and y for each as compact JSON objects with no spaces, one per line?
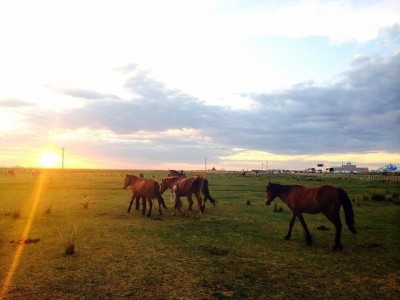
{"x":151,"y":187}
{"x":314,"y":199}
{"x":189,"y":185}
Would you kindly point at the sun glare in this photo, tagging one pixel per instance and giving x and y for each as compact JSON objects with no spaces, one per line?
{"x":49,"y":159}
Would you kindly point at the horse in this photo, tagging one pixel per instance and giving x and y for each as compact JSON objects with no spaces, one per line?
{"x":186,"y":187}
{"x":176,"y":173}
{"x":10,"y":172}
{"x":324,"y":199}
{"x":144,"y":188}
{"x":181,"y":175}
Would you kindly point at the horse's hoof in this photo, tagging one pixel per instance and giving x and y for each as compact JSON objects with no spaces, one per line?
{"x":338,"y":247}
{"x":309,"y":241}
{"x":287,"y":237}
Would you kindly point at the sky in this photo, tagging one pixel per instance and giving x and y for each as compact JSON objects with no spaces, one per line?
{"x":194,"y":84}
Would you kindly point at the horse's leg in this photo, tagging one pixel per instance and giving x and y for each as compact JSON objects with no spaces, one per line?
{"x":291,"y":223}
{"x":335,"y":219}
{"x":178,"y":205}
{"x":173,"y":197}
{"x":130,"y":204}
{"x":190,"y":200}
{"x":199,"y":202}
{"x":143,"y":205}
{"x":306,"y":231}
{"x":151,"y":206}
{"x":137,"y":203}
{"x":159,"y":207}
{"x":203,"y":206}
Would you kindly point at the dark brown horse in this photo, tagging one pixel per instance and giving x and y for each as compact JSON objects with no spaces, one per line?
{"x":186,"y":187}
{"x":145,"y":189}
{"x":324,"y":199}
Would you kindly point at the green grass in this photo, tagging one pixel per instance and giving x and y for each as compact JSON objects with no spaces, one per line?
{"x":236,"y":251}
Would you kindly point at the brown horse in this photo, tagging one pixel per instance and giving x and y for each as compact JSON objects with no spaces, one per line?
{"x":145,"y":189}
{"x":176,"y":173}
{"x":181,"y":175}
{"x":10,"y":172}
{"x":186,"y":187}
{"x":324,"y":199}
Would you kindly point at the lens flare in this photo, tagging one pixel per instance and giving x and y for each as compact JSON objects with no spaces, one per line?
{"x":25,"y":234}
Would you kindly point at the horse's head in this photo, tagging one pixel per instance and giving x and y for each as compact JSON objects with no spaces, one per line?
{"x":270,"y":193}
{"x":127,"y":181}
{"x":163,"y":187}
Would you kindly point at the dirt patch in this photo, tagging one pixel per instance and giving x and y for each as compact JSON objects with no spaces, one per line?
{"x":370,"y":245}
{"x":322,"y":228}
{"x":25,"y":241}
{"x":212,"y":250}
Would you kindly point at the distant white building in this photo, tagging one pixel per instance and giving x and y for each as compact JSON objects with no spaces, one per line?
{"x":349,"y":168}
{"x":388,"y":168}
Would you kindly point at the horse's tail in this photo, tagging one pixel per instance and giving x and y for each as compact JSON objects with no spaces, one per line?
{"x":158,"y":195}
{"x":348,"y":209}
{"x":206,"y":192}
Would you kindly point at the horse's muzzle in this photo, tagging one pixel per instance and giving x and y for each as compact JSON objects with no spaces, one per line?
{"x":267,"y":202}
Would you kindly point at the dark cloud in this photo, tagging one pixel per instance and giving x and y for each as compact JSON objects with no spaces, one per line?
{"x":358,"y":114}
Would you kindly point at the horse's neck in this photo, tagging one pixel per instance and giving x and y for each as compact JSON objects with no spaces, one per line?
{"x":171,"y":182}
{"x":133,"y":179}
{"x":287,"y":189}
{"x":284,"y":192}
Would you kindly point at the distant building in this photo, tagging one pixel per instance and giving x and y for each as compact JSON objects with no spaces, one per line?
{"x":349,"y":168}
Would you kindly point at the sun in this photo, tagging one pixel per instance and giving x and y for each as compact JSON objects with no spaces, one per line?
{"x":49,"y":159}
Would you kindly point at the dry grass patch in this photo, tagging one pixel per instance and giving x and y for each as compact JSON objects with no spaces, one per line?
{"x":69,"y":241}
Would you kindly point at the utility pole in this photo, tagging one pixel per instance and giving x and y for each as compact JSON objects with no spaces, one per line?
{"x":62,"y":159}
{"x":205,"y":166}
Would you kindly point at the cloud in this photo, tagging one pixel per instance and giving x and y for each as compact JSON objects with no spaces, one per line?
{"x":153,"y":107}
{"x":390,"y":32}
{"x":340,"y":21}
{"x":13,"y":103}
{"x":88,"y":94}
{"x":358,"y":114}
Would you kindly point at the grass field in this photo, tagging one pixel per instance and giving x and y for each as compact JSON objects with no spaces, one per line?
{"x":236,"y":251}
